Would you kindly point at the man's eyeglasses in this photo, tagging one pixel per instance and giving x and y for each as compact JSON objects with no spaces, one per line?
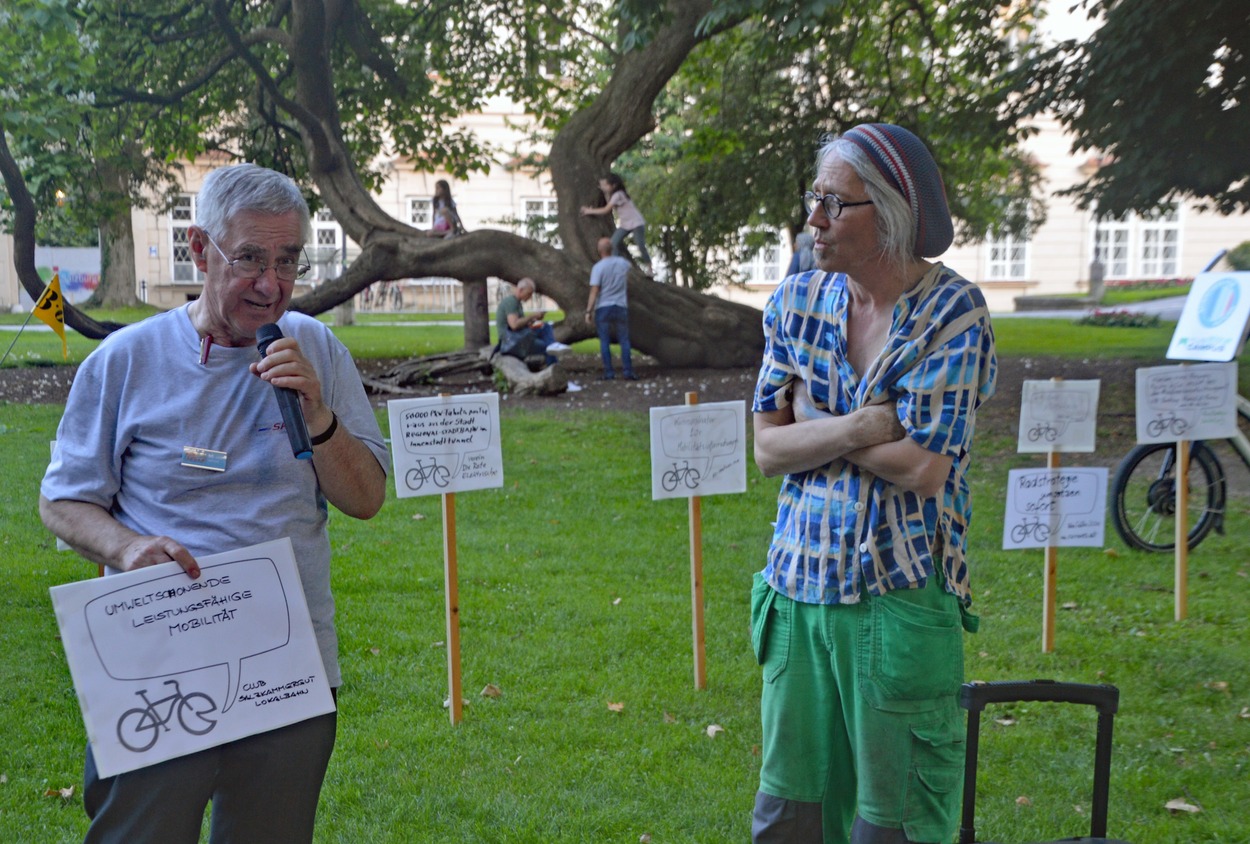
{"x":287,"y":269}
{"x":830,"y":204}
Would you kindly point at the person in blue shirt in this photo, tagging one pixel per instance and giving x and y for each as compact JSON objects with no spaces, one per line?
{"x":874,"y":366}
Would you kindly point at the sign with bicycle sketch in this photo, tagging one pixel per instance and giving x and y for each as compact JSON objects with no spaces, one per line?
{"x":1212,"y":326}
{"x":165,"y":665}
{"x":1058,"y":415}
{"x":698,"y":449}
{"x":1055,"y":508}
{"x":446,"y":444}
{"x":1189,"y":402}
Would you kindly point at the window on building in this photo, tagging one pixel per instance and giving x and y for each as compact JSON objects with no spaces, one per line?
{"x":1008,"y":257}
{"x":1139,"y":246}
{"x":1161,"y":235}
{"x":539,"y":218}
{"x":326,"y":251}
{"x":181,"y":218}
{"x":420,"y":210}
{"x":765,"y":265}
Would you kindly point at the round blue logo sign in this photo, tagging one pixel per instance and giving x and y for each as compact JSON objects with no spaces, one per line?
{"x":1218,"y":303}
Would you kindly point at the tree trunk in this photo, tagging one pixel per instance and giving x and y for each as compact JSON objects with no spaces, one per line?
{"x":476,"y":314}
{"x":675,"y":326}
{"x":117,"y":264}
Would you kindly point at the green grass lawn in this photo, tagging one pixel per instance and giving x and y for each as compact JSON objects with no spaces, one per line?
{"x":575,"y":593}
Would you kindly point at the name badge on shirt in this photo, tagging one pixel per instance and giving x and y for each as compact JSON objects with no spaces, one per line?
{"x":203,"y":458}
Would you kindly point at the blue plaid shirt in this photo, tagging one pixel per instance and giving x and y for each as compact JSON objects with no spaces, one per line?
{"x":841,"y":530}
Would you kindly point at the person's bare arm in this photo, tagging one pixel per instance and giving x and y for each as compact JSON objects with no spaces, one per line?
{"x":784,"y":445}
{"x":93,"y":532}
{"x":870,"y":437}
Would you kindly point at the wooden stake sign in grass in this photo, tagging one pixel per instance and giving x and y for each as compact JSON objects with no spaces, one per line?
{"x":698,"y":450}
{"x":1053,"y":508}
{"x":445,"y":445}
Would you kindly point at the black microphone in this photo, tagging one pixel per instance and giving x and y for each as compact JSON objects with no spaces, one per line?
{"x":288,"y":400}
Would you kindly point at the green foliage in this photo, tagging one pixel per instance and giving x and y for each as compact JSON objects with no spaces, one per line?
{"x":1239,"y":256}
{"x":740,"y":124}
{"x":1121,"y":319}
{"x":1158,"y":91}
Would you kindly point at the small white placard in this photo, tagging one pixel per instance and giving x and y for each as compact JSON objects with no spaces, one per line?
{"x":698,"y":449}
{"x":446,"y":444}
{"x":1055,"y":507}
{"x":1190,"y":402}
{"x":165,"y":665}
{"x":1058,"y":416}
{"x":1213,"y":322}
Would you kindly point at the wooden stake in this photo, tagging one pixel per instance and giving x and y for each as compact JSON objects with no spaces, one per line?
{"x":452,"y":587}
{"x":1049,"y":577}
{"x":696,"y":580}
{"x":1182,"y":530}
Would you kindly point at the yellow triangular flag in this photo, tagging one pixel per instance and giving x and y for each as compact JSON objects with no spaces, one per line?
{"x":51,"y":309}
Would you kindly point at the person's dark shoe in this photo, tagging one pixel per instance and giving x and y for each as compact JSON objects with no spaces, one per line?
{"x":607,"y":377}
{"x":629,"y":376}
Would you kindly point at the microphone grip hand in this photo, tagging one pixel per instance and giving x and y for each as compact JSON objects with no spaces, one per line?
{"x":288,"y":401}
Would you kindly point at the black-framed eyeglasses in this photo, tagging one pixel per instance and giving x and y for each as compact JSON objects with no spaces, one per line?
{"x":811,"y":200}
{"x":287,"y":269}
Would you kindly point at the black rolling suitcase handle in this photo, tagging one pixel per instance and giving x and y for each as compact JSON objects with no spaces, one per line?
{"x":974,"y":697}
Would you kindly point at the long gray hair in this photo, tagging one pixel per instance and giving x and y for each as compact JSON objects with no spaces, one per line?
{"x":896,"y":230}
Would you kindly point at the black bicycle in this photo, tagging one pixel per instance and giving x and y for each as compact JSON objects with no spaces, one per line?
{"x":1143,"y":503}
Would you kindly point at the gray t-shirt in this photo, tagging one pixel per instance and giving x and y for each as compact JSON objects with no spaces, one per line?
{"x":142,"y":396}
{"x":610,"y":275}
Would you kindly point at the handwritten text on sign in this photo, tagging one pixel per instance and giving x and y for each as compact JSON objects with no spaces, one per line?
{"x":698,"y":450}
{"x":165,"y":665}
{"x":1191,"y":402}
{"x":1055,"y":507}
{"x":446,"y":444}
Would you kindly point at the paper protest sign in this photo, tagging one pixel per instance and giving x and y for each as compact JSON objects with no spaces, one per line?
{"x":1058,"y":416}
{"x":445,"y":444}
{"x":1055,"y":507}
{"x":1189,"y":402}
{"x":698,"y":449}
{"x":165,"y":665}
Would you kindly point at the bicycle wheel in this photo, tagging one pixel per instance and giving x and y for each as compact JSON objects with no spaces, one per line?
{"x":1143,"y":507}
{"x":138,"y":730}
{"x":193,"y":712}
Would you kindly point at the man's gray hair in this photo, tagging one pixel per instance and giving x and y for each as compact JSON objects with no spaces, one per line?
{"x":248,"y":187}
{"x":896,"y":229}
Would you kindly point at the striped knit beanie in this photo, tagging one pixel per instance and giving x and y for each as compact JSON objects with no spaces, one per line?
{"x":907,"y":165}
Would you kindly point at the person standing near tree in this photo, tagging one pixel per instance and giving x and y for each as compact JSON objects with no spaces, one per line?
{"x":866,"y":401}
{"x":122,"y":493}
{"x":608,"y":308}
{"x":629,"y":221}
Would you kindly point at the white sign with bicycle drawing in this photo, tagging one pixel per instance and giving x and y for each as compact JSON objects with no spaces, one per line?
{"x":1058,"y":415}
{"x":1186,"y":402}
{"x":165,"y":665}
{"x":1055,"y":508}
{"x":698,"y":449}
{"x":446,"y":444}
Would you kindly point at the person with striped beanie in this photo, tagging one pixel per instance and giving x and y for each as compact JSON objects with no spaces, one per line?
{"x":866,"y":402}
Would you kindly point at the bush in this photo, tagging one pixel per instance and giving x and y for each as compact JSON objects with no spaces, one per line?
{"x":1147,"y":283}
{"x":1239,"y":256}
{"x":1120,"y":319}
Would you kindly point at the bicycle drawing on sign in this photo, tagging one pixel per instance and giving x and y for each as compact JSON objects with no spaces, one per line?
{"x":433,"y":471}
{"x":139,"y":728}
{"x":677,"y":475}
{"x":1034,"y":527}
